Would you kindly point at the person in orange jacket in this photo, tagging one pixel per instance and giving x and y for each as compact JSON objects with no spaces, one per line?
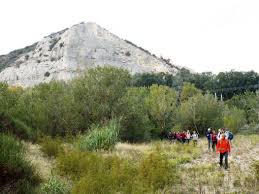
{"x":223,"y":148}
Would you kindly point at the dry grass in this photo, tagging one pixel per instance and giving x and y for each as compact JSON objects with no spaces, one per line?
{"x":204,"y":175}
{"x":198,"y":168}
{"x":177,"y":152}
{"x":42,"y":164}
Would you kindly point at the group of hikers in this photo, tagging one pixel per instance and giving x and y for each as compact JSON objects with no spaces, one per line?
{"x":183,"y":137}
{"x":217,"y":141}
{"x":222,"y":142}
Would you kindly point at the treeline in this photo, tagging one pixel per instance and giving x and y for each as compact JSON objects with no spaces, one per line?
{"x":102,"y":94}
{"x":226,"y":83}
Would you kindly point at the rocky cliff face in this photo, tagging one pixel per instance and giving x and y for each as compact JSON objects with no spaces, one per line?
{"x":70,"y":52}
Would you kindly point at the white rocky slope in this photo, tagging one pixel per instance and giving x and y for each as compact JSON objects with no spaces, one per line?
{"x":68,"y":53}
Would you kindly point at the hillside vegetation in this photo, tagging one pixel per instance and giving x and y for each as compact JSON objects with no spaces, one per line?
{"x":102,"y":133}
{"x":9,"y":59}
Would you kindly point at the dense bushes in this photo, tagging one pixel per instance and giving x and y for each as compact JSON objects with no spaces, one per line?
{"x":100,"y":109}
{"x":11,"y":151}
{"x":100,"y":138}
{"x":228,"y":83}
{"x":136,"y":125}
{"x":8,"y":97}
{"x":49,"y":108}
{"x":200,"y":112}
{"x":61,"y":109}
{"x":97,"y":93}
{"x":249,"y":103}
{"x":156,"y":171}
{"x":14,"y":168}
{"x":51,"y":146}
{"x":234,"y":118}
{"x":15,"y":126}
{"x":161,"y":104}
{"x":94,"y":173}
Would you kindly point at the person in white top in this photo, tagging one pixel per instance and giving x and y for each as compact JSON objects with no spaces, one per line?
{"x":188,"y":136}
{"x":195,"y":138}
{"x":219,"y":134}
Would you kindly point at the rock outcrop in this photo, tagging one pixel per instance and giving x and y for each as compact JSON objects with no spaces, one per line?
{"x":68,"y":53}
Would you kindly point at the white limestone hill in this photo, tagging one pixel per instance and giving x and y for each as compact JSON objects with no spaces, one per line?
{"x":70,"y":52}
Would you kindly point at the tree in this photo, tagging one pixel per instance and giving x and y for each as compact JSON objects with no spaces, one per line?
{"x":98,"y":92}
{"x":136,"y":125}
{"x":161,"y":103}
{"x":200,"y":112}
{"x":188,"y":90}
{"x":8,"y":97}
{"x":236,"y":82}
{"x":234,"y":118}
{"x":249,"y":103}
{"x":49,"y":108}
{"x":148,"y":79}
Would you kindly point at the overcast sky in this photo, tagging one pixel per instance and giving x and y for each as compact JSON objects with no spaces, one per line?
{"x":203,"y":35}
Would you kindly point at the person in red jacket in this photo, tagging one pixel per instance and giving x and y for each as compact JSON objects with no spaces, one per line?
{"x":223,"y":148}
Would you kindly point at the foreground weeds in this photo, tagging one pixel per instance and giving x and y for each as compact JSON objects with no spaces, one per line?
{"x":177,"y":153}
{"x":157,"y":167}
{"x":51,"y":147}
{"x":16,"y":174}
{"x":96,"y":173}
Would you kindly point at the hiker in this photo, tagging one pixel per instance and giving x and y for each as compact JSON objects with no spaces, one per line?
{"x":219,"y":134}
{"x":188,"y":136}
{"x":178,"y":137}
{"x":229,"y":135}
{"x":195,"y":138}
{"x":214,"y":140}
{"x":163,"y":135}
{"x":170,"y":135}
{"x":183,"y":137}
{"x":208,"y":135}
{"x":223,"y":148}
{"x":173,"y":137}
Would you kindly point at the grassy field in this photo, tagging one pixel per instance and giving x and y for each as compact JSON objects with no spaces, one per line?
{"x":156,"y":167}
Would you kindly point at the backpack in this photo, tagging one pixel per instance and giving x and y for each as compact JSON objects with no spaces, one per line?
{"x":230,"y":135}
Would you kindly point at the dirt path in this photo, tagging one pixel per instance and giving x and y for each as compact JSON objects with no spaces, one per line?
{"x":242,"y":154}
{"x":42,"y":164}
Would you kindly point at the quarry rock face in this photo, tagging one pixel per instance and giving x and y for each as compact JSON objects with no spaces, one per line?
{"x":70,"y":52}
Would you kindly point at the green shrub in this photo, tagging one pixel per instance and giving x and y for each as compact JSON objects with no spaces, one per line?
{"x":54,"y":186}
{"x":100,"y":138}
{"x":76,"y":163}
{"x":23,"y":130}
{"x":94,"y":173}
{"x":14,"y":168}
{"x":17,"y":127}
{"x":234,"y":118}
{"x":11,"y":152}
{"x":199,"y":112}
{"x":97,"y":93}
{"x":136,"y":125}
{"x":50,"y":146}
{"x":156,"y":171}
